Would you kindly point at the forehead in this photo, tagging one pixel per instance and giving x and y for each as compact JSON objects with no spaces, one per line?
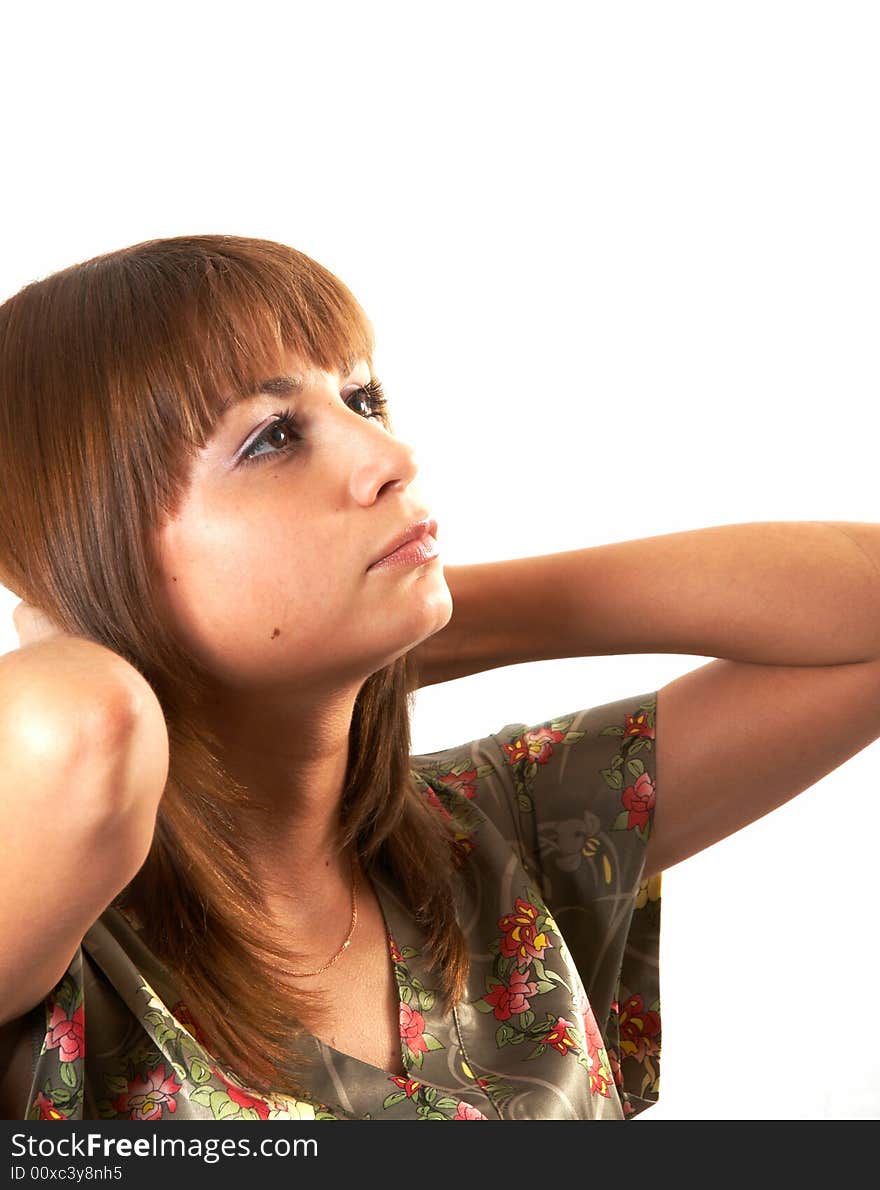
{"x":296,"y":377}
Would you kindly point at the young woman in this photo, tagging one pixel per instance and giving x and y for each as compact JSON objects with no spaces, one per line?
{"x":230,"y":891}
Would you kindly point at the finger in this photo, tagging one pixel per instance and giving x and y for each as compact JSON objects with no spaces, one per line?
{"x":33,"y":624}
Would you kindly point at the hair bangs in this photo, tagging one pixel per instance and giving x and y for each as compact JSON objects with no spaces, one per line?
{"x":113,"y":373}
{"x":200,"y":322}
{"x":244,"y":308}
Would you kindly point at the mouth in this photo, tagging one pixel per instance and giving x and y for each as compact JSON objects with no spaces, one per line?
{"x":417,"y":543}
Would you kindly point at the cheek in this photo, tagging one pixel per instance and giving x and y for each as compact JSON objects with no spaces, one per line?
{"x":250,"y":599}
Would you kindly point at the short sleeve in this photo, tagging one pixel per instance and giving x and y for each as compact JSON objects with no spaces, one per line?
{"x":576,"y":794}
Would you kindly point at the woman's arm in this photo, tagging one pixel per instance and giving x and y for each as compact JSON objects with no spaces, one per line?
{"x":791,"y":609}
{"x":775,"y":593}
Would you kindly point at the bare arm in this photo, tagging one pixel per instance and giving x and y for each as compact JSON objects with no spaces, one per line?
{"x":790,"y":609}
{"x":774,"y":592}
{"x":83,"y":764}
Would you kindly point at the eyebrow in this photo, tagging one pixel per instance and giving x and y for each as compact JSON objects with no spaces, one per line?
{"x":279,"y":386}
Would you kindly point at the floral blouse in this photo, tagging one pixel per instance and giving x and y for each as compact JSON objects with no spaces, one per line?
{"x":561,"y":1016}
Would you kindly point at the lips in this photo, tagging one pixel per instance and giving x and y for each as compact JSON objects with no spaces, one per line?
{"x":413,"y":532}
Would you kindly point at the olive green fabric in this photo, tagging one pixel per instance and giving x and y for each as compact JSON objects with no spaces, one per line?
{"x":561,"y":1015}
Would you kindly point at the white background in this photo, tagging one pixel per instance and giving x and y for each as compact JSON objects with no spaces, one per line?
{"x":622,"y":261}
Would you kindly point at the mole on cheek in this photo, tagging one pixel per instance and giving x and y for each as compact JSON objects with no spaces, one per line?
{"x":277,"y":632}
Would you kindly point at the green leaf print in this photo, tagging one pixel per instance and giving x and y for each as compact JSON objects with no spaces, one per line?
{"x":524,"y":802}
{"x":503,"y":968}
{"x":393,"y":1099}
{"x":202,"y":1095}
{"x":636,"y":767}
{"x":68,"y":1073}
{"x":165,"y":1034}
{"x":557,"y":978}
{"x":613,"y":777}
{"x":179,"y":1071}
{"x":198,"y":1071}
{"x":222,"y":1106}
{"x":503,"y":1035}
{"x":446,"y":1104}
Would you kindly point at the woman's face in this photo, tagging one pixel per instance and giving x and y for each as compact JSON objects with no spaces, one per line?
{"x":266,"y":568}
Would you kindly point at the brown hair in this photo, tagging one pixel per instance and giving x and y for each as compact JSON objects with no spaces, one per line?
{"x":112,"y":374}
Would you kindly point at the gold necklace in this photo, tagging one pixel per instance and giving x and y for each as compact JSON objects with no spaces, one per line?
{"x":344,"y":947}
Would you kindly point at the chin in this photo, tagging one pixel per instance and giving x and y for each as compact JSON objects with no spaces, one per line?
{"x":437,"y":612}
{"x":416,"y":634}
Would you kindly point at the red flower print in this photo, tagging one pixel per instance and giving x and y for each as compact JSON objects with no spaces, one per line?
{"x":434,"y":801}
{"x":181,"y":1013}
{"x":467,"y":1112}
{"x":509,"y":998}
{"x":521,"y":937}
{"x":559,"y":1036}
{"x":600,"y":1067}
{"x":535,"y":745}
{"x":412,"y":1027}
{"x":67,"y":1033}
{"x":616,"y":1072}
{"x":241,"y":1097}
{"x":637,"y":725}
{"x":146,"y":1096}
{"x":639,"y":800}
{"x":410,"y":1085}
{"x":464,"y":783}
{"x":639,"y":1029}
{"x":396,"y":956}
{"x":47,"y":1109}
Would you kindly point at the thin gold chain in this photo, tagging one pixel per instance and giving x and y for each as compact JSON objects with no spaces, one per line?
{"x":344,"y":947}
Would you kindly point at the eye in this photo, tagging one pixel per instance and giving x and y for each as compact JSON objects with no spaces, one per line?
{"x":284,"y":424}
{"x":374,"y":396}
{"x":283,"y":432}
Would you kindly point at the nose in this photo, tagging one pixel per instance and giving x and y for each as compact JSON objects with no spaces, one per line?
{"x":380,"y":460}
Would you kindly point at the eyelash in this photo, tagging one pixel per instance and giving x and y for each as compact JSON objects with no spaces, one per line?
{"x":287,"y":420}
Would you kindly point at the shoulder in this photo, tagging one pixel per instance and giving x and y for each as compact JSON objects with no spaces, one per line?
{"x":554,"y":787}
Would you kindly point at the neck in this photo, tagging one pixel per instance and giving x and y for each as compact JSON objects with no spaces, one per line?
{"x":292,"y":762}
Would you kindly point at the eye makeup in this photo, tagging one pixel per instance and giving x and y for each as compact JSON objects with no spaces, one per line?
{"x":285,"y":422}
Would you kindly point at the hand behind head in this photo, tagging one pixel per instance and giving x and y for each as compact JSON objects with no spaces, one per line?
{"x":32,"y":624}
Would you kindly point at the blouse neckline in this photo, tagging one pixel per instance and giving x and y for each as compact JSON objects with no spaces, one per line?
{"x":393,"y":922}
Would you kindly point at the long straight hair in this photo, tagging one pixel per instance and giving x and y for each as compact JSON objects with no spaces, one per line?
{"x":113,"y":372}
